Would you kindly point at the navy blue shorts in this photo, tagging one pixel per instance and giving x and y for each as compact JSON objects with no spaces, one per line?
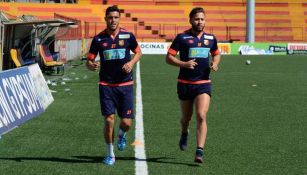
{"x":119,"y":98}
{"x":190,"y":91}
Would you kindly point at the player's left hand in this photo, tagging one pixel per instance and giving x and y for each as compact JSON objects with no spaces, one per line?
{"x":214,"y":66}
{"x":127,"y":68}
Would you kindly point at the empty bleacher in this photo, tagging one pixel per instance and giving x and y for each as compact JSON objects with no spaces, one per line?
{"x":47,"y":11}
{"x":152,"y":20}
{"x":274,"y":21}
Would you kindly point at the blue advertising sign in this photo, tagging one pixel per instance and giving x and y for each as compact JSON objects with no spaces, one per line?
{"x":19,"y":101}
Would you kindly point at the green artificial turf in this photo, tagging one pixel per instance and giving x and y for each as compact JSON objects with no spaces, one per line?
{"x":257,"y":123}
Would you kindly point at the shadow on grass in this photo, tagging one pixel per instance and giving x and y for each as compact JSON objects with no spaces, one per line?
{"x":163,"y":160}
{"x":166,"y":160}
{"x":96,"y":159}
{"x":54,"y":159}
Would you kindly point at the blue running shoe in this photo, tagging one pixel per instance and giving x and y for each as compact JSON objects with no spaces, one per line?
{"x":109,"y":160}
{"x":121,"y":142}
{"x":183,"y":143}
{"x":199,"y":156}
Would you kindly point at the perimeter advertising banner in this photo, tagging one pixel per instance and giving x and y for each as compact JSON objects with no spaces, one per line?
{"x":154,"y":47}
{"x":224,"y":48}
{"x":259,"y":48}
{"x":19,"y":97}
{"x":40,"y":85}
{"x":235,"y":48}
{"x":162,"y":48}
{"x":297,"y":48}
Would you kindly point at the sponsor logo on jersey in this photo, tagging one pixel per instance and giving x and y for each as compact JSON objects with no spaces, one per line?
{"x":210,"y":37}
{"x":114,"y":54}
{"x":191,"y":41}
{"x":186,"y":37}
{"x":124,"y":36}
{"x":101,"y":39}
{"x":198,"y":52}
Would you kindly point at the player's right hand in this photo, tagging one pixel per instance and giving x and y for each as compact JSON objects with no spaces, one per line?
{"x":190,"y":64}
{"x":92,"y":65}
{"x":214,"y":66}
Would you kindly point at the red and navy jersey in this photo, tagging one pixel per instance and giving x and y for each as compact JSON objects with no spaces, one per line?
{"x":114,"y":53}
{"x":191,"y":47}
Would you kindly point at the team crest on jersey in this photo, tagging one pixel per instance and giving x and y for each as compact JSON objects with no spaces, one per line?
{"x":206,"y":42}
{"x":121,"y":42}
{"x":124,"y":36}
{"x":191,"y":41}
{"x":210,"y":37}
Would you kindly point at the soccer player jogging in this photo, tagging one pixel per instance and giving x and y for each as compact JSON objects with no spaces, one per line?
{"x":194,"y":84}
{"x":116,"y":81}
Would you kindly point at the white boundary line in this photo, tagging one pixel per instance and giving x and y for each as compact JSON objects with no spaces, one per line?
{"x":140,"y":156}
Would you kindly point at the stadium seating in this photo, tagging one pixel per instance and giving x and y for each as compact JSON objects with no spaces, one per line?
{"x":47,"y":11}
{"x":14,"y":57}
{"x":161,"y":20}
{"x":18,"y":60}
{"x":274,"y":20}
{"x":50,"y":61}
{"x":166,"y":21}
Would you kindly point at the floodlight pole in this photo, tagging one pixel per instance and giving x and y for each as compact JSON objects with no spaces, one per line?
{"x":250,"y":21}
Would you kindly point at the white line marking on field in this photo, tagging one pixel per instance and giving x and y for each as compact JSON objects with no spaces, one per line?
{"x":140,"y":156}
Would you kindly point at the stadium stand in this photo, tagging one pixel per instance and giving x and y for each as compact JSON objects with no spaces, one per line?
{"x":47,"y":11}
{"x":274,"y":20}
{"x":161,"y":20}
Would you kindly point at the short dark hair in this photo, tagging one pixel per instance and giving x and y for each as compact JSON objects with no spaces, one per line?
{"x":196,"y":10}
{"x":113,"y":8}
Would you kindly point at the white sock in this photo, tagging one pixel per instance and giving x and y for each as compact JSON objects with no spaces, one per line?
{"x":110,"y":151}
{"x":121,"y":132}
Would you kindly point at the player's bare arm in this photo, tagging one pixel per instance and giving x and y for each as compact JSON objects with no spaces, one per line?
{"x":215,"y":62}
{"x":129,"y":66}
{"x":172,"y":60}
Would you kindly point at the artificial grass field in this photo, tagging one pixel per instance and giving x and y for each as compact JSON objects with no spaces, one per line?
{"x":257,"y":123}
